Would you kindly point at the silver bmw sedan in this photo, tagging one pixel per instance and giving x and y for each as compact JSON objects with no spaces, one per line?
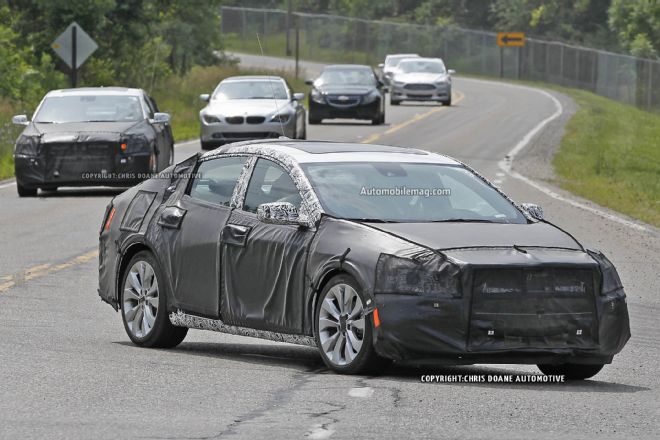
{"x":251,"y":107}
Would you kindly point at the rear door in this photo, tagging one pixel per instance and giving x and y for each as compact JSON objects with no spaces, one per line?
{"x":196,"y":249}
{"x":263,"y":265}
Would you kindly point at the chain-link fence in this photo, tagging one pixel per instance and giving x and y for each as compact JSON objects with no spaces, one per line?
{"x":342,"y":39}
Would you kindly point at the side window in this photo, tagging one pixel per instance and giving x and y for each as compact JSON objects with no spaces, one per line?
{"x":270,"y":183}
{"x":216,"y":179}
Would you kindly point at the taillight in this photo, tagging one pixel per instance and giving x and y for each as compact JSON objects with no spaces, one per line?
{"x":108,"y":219}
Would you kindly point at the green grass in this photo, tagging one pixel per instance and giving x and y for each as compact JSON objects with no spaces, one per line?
{"x":610,"y":154}
{"x":176,"y":95}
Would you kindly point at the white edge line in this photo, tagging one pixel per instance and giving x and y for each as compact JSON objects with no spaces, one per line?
{"x":12,"y":182}
{"x":506,"y":163}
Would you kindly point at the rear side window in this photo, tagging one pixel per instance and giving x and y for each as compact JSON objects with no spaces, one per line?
{"x":216,"y":179}
{"x":136,"y":211}
{"x":270,"y":183}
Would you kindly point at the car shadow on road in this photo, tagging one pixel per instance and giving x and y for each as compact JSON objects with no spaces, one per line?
{"x":282,"y":355}
{"x":412,"y":373}
{"x":351,"y":123}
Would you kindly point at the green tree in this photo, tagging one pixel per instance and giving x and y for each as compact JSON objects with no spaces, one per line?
{"x":637,"y":24}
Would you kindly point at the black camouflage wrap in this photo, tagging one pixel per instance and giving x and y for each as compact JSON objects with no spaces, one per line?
{"x":455,"y":293}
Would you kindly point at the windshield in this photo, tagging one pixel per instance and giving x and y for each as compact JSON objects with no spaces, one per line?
{"x":89,"y":108}
{"x":357,"y":77}
{"x":410,"y":66}
{"x":394,"y":60}
{"x":407,"y":192}
{"x":259,"y":89}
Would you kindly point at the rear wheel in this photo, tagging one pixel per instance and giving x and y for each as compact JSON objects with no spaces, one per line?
{"x":571,"y":371}
{"x":144,"y":305}
{"x":314,"y":121}
{"x":344,"y":333}
{"x":394,"y":101}
{"x":25,"y":191}
{"x":304,"y":132}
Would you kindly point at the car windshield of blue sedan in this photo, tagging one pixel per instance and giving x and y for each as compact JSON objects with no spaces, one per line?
{"x":262,"y":89}
{"x":347,"y":76}
{"x":89,"y":108}
{"x":414,"y":66}
{"x":408,"y":192}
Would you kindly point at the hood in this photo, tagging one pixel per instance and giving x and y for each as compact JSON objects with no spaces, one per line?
{"x":247,"y":107}
{"x":421,"y":77}
{"x":340,"y":89}
{"x":469,"y":235}
{"x":85,"y":127}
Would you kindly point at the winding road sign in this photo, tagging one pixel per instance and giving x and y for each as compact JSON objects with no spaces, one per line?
{"x":508,"y":39}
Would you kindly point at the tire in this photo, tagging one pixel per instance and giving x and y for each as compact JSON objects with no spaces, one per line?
{"x":139,"y":299}
{"x":377,"y":120}
{"x":331,"y":319}
{"x":394,"y":101}
{"x":382,"y":117}
{"x":24,"y":191}
{"x":313,"y":121}
{"x":303,"y":136}
{"x":571,"y":371}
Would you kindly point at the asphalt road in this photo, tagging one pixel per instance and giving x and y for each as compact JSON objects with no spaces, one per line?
{"x":67,"y":369}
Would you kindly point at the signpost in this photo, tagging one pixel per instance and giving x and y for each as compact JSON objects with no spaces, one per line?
{"x":510,"y":39}
{"x":74,"y":46}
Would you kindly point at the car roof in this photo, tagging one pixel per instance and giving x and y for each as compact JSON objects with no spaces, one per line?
{"x":411,"y":55}
{"x":346,"y":66}
{"x":87,"y":91}
{"x":418,"y":59}
{"x":253,"y":78}
{"x":320,"y":151}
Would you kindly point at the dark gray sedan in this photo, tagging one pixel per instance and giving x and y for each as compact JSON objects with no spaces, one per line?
{"x":370,"y":253}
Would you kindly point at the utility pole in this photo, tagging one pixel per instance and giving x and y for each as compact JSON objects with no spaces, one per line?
{"x":289,"y":11}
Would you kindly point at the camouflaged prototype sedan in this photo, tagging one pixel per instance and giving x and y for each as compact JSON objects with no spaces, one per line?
{"x":370,"y":253}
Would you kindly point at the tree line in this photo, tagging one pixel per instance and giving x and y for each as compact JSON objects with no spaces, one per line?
{"x":139,"y":41}
{"x":631,"y":26}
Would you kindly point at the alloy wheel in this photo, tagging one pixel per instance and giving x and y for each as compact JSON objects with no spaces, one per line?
{"x":341,"y":324}
{"x":140,"y":302}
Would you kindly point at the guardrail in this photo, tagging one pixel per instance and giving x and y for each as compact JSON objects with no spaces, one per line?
{"x":331,"y":38}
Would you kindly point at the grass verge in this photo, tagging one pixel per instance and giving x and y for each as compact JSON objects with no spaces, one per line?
{"x":176,"y":95}
{"x":610,"y":153}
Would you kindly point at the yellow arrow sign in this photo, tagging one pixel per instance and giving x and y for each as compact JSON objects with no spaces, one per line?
{"x":505,"y":39}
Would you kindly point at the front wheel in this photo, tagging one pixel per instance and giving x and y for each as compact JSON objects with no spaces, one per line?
{"x":25,"y":191}
{"x":144,"y":305}
{"x":344,"y":333}
{"x":571,"y":371}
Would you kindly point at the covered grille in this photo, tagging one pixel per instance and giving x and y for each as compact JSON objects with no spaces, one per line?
{"x":549,"y":307}
{"x":69,"y":161}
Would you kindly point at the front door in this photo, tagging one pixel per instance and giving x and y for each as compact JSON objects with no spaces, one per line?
{"x":197,"y":248}
{"x":264,"y":264}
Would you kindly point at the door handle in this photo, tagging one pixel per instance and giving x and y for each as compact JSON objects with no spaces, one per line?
{"x":171,"y":217}
{"x":235,"y":235}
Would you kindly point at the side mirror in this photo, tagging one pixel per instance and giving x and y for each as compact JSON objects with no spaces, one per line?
{"x":451,"y":71}
{"x":20,"y":120}
{"x":534,"y":210}
{"x":205,"y":97}
{"x":381,"y":65}
{"x":161,"y":118}
{"x":298,"y":96}
{"x":278,"y":213}
{"x":309,"y":82}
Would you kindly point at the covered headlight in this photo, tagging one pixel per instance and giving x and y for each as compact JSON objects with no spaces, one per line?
{"x":281,"y":118}
{"x":442,"y":80}
{"x":317,"y":96}
{"x":211,"y":119}
{"x":27,"y":146}
{"x":135,"y":145}
{"x":425,"y":274}
{"x":370,"y":97}
{"x":610,"y":280}
{"x":398,"y":83}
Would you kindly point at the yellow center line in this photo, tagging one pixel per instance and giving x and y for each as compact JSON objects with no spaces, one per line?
{"x":43,"y":270}
{"x":457,"y":97}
